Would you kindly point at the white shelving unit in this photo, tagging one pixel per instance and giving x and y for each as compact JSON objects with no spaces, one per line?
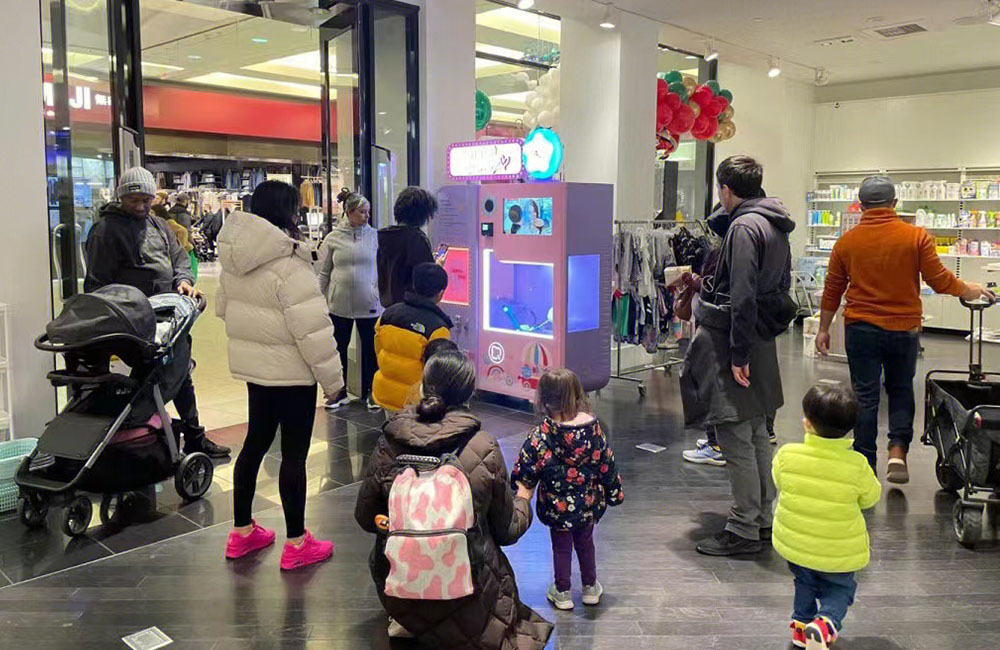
{"x":941,"y":312}
{"x":6,"y":426}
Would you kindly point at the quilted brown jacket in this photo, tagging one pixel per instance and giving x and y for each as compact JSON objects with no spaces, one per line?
{"x":493,"y":618}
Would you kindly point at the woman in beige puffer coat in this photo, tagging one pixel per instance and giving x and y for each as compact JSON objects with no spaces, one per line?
{"x":280,"y":343}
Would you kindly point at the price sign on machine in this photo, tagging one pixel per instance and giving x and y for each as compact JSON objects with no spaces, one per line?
{"x":486,"y":160}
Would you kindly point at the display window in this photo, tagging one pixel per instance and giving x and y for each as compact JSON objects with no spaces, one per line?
{"x":515,"y":50}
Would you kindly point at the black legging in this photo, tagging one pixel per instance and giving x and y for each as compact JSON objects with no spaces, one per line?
{"x":343,"y":328}
{"x":294,"y":409}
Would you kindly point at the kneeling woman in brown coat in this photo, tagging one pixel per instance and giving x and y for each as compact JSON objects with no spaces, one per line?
{"x":492,"y":617}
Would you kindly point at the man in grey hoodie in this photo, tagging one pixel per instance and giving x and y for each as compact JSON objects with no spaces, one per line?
{"x":739,"y":312}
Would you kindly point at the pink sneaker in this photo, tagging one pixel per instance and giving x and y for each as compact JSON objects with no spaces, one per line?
{"x":310,"y":551}
{"x":240,"y":545}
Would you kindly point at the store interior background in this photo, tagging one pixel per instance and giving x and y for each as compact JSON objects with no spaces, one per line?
{"x":924,"y":101}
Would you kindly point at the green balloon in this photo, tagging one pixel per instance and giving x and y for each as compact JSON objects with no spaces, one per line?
{"x":484,"y":110}
{"x":678,"y":87}
{"x":727,"y":94}
{"x":673,"y":76}
{"x":714,"y":85}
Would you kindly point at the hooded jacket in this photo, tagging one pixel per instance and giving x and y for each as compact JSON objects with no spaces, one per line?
{"x":823,"y":486}
{"x":347,"y":276}
{"x":401,"y":335}
{"x":748,"y":294}
{"x":493,"y":618}
{"x":400,"y":249}
{"x":142,"y":253}
{"x":180,"y":214}
{"x":276,"y":319}
{"x":575,"y":471}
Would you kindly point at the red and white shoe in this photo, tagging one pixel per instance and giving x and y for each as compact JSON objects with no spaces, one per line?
{"x":310,"y":551}
{"x":239,"y":545}
{"x":798,"y":634}
{"x":820,"y":634}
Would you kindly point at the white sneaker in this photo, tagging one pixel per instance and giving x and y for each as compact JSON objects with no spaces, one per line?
{"x":592,"y":594}
{"x":343,"y":399}
{"x":701,"y":442}
{"x":559,"y":599}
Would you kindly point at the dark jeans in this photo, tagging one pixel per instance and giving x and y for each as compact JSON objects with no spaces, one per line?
{"x":187,"y":409}
{"x":563,"y":543}
{"x":294,"y":409}
{"x":343,"y":328}
{"x":871,"y":351}
{"x":834,"y":591}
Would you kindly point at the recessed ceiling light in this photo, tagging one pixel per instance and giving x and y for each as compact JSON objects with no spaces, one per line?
{"x":691,"y":57}
{"x":758,"y":19}
{"x":525,"y":4}
{"x":258,"y":39}
{"x":194,"y":57}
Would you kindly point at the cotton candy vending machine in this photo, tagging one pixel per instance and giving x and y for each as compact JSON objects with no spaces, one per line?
{"x":529,"y":267}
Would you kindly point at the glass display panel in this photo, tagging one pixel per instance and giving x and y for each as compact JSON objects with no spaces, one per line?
{"x":527,"y":216}
{"x":456,"y":263}
{"x":583,"y":304}
{"x":518,"y":296}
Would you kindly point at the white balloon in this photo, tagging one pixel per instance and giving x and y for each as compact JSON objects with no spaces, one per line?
{"x":529,"y":97}
{"x":555,"y":74}
{"x":522,"y":77}
{"x":544,"y":80}
{"x":532,"y":83}
{"x":537,"y":104}
{"x":546,"y":119}
{"x":529,"y":120}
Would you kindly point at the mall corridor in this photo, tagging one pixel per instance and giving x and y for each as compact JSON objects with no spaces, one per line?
{"x":922,"y":591}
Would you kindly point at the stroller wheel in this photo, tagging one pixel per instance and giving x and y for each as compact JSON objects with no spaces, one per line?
{"x":194,"y":476}
{"x":947,"y":476}
{"x":32,"y":510}
{"x":113,"y":509}
{"x":968,"y":523}
{"x":76,"y":516}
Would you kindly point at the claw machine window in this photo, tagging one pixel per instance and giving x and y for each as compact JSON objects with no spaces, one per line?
{"x":519,"y":296}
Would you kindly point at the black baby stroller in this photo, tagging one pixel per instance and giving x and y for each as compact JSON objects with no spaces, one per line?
{"x":962,"y":421}
{"x":126,"y":356}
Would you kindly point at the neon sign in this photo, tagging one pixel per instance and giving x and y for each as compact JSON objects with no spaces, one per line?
{"x":543,"y":153}
{"x":486,"y":160}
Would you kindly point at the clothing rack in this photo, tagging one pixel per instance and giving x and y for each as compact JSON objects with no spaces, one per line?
{"x":625,"y":375}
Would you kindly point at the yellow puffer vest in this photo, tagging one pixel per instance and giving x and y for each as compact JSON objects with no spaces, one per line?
{"x":823,"y":486}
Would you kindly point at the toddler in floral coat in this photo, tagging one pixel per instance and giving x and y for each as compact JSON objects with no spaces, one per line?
{"x":568,"y":459}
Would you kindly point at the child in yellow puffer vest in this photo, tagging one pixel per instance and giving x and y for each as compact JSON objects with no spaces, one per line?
{"x":823,"y":486}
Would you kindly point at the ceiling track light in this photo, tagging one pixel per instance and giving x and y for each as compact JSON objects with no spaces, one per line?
{"x":822,"y":77}
{"x":711,"y":54}
{"x":773,"y":67}
{"x":608,"y":21}
{"x":525,"y":4}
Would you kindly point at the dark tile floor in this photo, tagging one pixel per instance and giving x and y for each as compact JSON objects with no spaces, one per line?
{"x":922,"y":592}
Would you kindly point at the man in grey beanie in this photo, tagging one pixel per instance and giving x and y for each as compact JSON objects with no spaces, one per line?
{"x":128,"y":245}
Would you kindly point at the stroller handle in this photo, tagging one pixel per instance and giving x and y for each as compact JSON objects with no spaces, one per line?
{"x":43,"y":343}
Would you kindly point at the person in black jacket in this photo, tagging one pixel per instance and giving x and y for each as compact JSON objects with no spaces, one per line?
{"x":738,"y":313}
{"x":180,"y":212}
{"x":403,"y":246}
{"x":128,"y":245}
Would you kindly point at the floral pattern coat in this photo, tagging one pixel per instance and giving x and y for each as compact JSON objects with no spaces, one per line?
{"x":574,"y":470}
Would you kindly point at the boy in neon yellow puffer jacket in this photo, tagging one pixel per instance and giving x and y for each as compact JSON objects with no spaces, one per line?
{"x":823,"y":486}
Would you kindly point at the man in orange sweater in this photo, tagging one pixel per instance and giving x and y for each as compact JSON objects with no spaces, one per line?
{"x":879,"y":263}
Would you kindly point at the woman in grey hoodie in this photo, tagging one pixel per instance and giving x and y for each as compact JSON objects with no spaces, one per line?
{"x":349,"y":281}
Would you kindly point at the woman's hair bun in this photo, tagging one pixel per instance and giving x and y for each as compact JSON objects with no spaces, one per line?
{"x":431,"y":409}
{"x":344,"y":194}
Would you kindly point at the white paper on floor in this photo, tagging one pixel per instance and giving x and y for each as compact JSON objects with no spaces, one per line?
{"x":151,"y":638}
{"x":648,"y":446}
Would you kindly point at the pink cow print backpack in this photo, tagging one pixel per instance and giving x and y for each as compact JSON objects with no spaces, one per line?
{"x":431,"y":525}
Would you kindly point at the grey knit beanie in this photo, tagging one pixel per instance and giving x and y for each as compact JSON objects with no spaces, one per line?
{"x":137,"y":180}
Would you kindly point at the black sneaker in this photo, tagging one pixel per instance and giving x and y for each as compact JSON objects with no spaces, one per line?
{"x":765,"y":535}
{"x":727,"y":543}
{"x":207,"y":447}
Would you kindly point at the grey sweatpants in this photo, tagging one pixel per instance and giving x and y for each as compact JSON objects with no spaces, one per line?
{"x":748,"y":460}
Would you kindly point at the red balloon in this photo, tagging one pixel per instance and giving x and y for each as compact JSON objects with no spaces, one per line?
{"x":663,"y":116}
{"x":714,"y":106}
{"x":661,"y":90}
{"x":702,"y":95}
{"x":712,"y":129}
{"x":673,"y":100}
{"x":683,"y":119}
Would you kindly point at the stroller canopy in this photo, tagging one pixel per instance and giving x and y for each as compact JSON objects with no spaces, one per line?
{"x":113,"y":309}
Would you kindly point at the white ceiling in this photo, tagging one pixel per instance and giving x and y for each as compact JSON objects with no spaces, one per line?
{"x":789,"y":29}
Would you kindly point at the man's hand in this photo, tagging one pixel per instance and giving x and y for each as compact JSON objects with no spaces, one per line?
{"x":524,"y":492}
{"x":975,"y":291}
{"x":185,"y":289}
{"x":742,"y":375}
{"x":823,"y":343}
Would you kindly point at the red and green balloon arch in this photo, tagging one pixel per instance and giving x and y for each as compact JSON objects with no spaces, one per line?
{"x":682,"y":106}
